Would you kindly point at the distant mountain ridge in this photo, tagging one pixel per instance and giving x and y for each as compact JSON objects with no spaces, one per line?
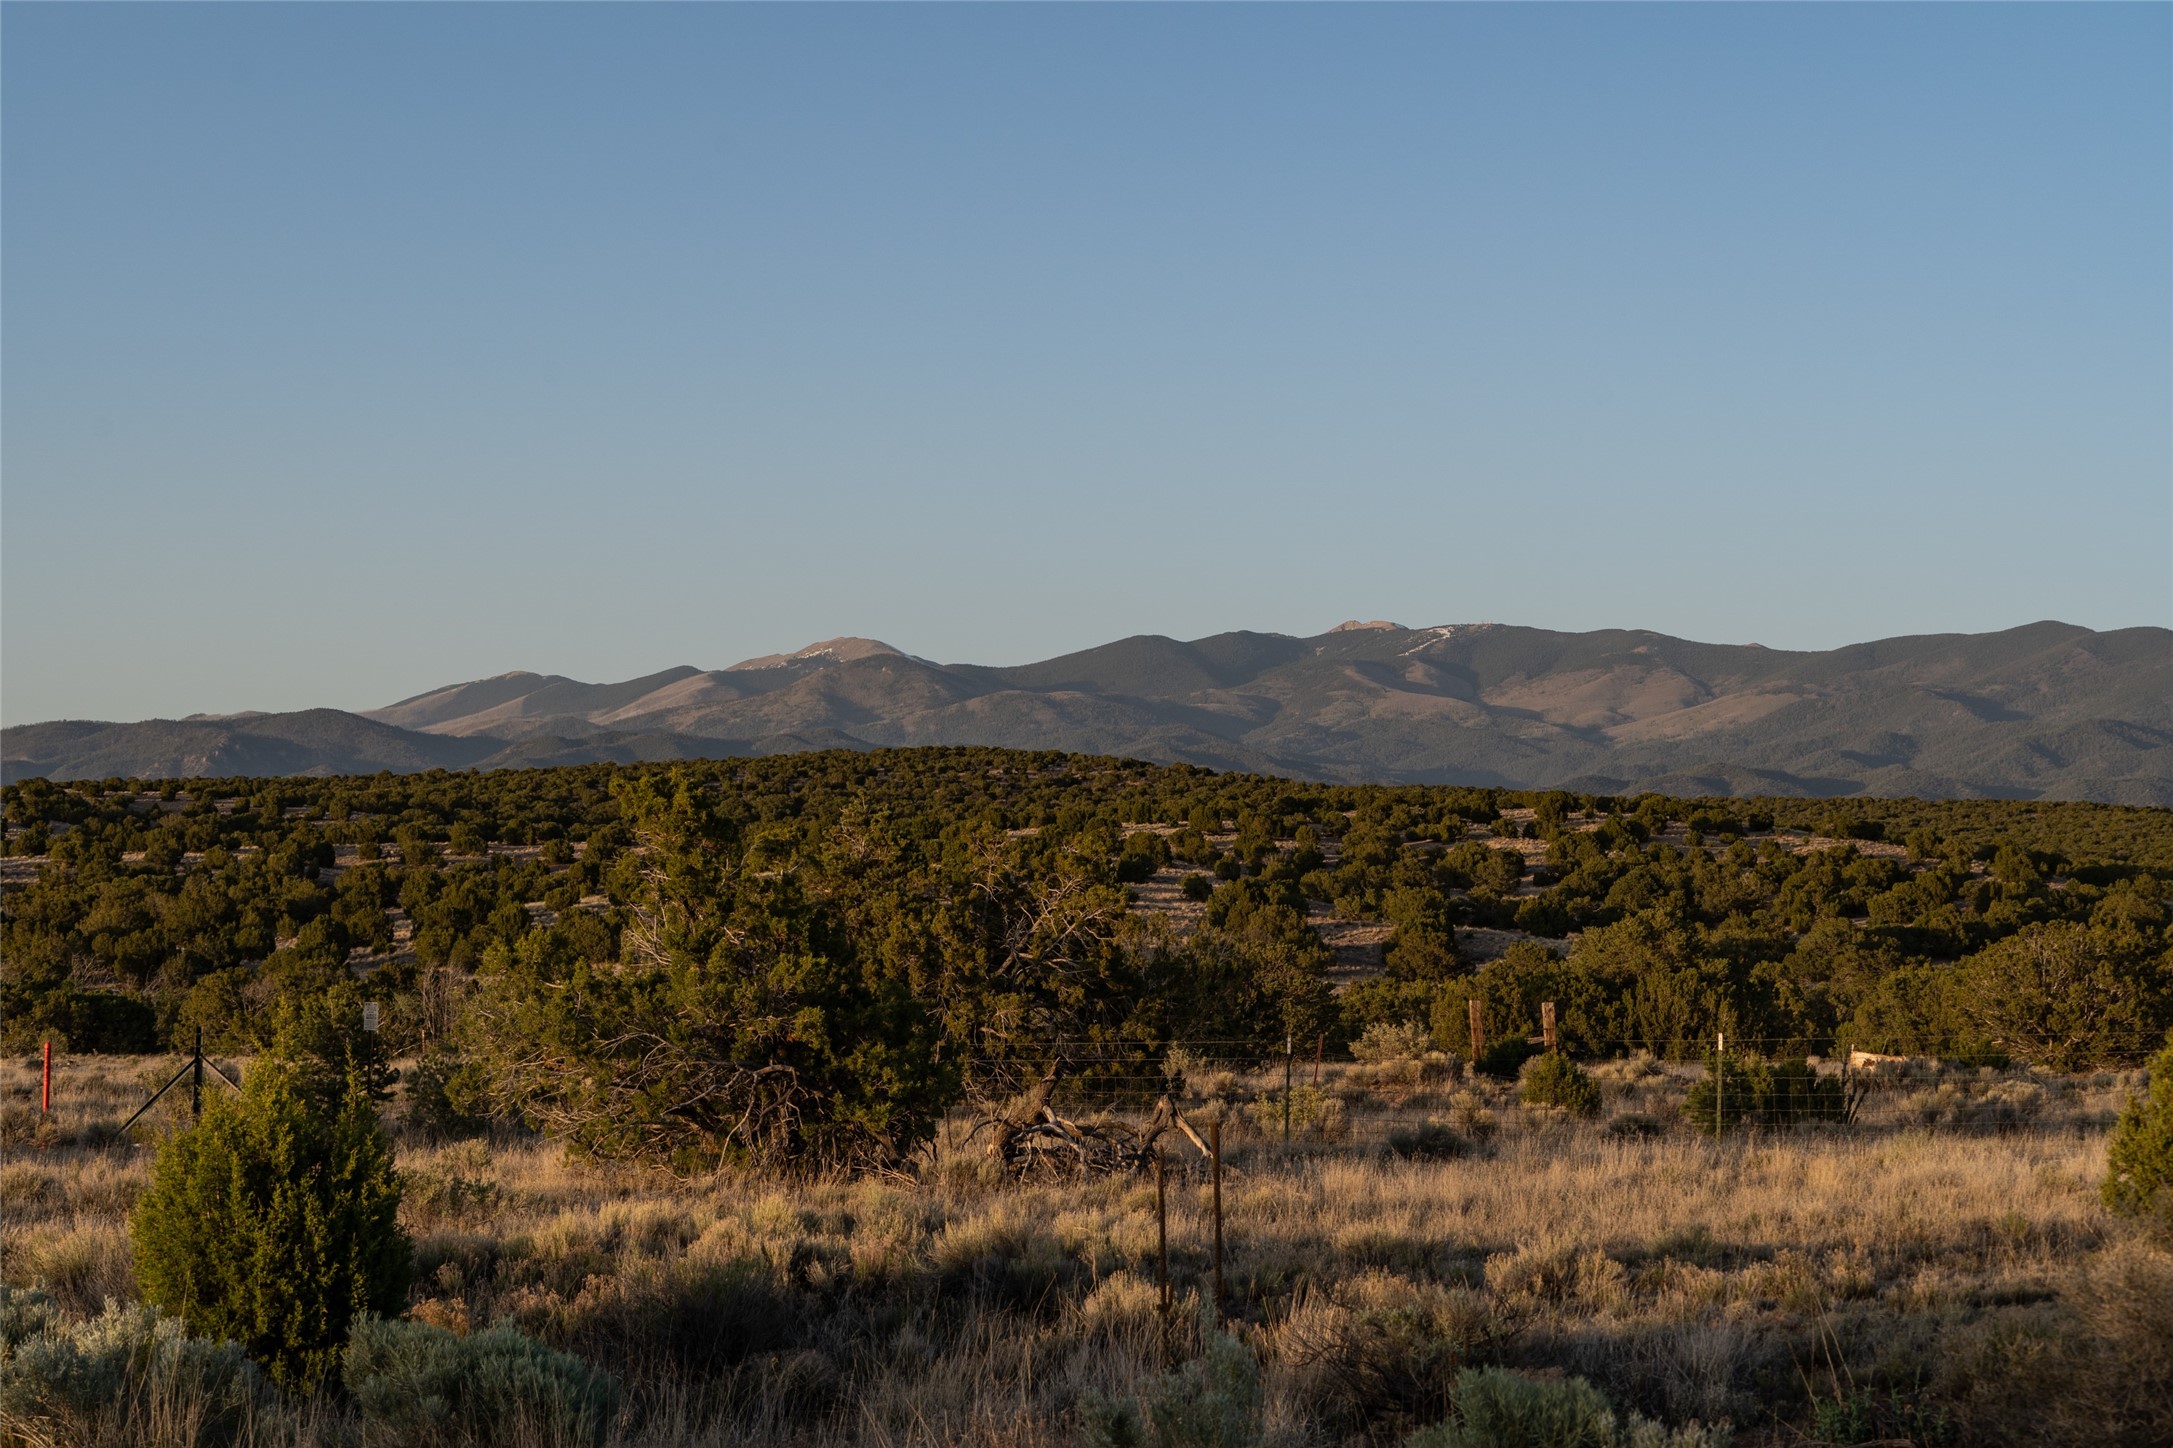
{"x":2046,"y":710}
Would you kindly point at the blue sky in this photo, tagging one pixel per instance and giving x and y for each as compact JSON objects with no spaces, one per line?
{"x":352,"y":350}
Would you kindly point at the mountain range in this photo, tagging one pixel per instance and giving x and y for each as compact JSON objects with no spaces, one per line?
{"x":2047,"y":710}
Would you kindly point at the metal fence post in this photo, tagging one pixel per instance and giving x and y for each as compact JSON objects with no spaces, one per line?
{"x":1161,"y":1235}
{"x":1720,"y":1080}
{"x":1214,"y":1151}
{"x":1289,"y":1056}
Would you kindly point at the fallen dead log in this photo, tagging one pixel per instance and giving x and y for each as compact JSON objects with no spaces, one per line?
{"x":1036,"y":1141}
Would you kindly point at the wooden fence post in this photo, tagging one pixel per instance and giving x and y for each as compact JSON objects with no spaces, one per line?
{"x":1478,"y":1031}
{"x":1546,"y":1022}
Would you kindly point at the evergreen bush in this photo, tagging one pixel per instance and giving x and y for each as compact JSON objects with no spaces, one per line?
{"x":2139,"y":1159}
{"x":434,"y":1105}
{"x":1553,"y":1080}
{"x":419,"y":1386}
{"x":1753,"y":1092}
{"x":273,"y":1222}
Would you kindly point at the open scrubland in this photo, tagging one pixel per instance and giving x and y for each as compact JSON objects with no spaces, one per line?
{"x":821,"y":1099}
{"x":1933,"y":1283}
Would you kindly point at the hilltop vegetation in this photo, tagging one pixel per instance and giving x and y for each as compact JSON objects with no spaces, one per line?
{"x":2045,"y":711}
{"x":817,"y":955}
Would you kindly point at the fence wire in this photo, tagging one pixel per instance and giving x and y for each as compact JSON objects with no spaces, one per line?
{"x":1428,"y":1103}
{"x":1305,"y":1097}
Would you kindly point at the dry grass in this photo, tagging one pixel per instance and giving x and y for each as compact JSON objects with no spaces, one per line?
{"x":1942,"y":1286}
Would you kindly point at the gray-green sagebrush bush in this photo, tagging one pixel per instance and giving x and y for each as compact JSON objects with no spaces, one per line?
{"x":273,"y":1222}
{"x":1380,"y":1350}
{"x":2139,"y":1158}
{"x":1500,"y":1409}
{"x":130,"y":1375}
{"x":419,"y":1386}
{"x":1211,"y":1402}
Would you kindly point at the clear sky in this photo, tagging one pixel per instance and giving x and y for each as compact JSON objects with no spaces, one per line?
{"x":353,"y":350}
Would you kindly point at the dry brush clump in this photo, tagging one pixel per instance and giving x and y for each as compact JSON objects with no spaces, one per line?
{"x":1905,"y":1283}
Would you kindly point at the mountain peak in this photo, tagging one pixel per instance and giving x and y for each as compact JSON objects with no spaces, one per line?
{"x":829,"y":651}
{"x":1352,"y":625}
{"x":2042,"y":711}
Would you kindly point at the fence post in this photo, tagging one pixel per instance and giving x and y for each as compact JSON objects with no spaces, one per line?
{"x":1214,"y":1151}
{"x":1289,"y":1058}
{"x":1546,"y":1022}
{"x":1720,"y":1080}
{"x":1161,"y":1235}
{"x":1320,"y":1048}
{"x":196,"y":1089}
{"x":1478,"y":1031}
{"x":45,"y":1085}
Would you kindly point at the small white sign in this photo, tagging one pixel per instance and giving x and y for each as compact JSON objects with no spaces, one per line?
{"x":369,"y":1015}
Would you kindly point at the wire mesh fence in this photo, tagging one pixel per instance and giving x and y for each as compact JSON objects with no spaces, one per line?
{"x":1428,"y":1104}
{"x":1089,"y":1103}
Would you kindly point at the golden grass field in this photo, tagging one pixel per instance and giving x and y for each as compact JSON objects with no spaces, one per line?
{"x":1890,"y":1283}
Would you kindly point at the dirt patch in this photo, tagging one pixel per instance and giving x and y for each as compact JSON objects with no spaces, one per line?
{"x":1478,"y":944}
{"x":1359,"y":946}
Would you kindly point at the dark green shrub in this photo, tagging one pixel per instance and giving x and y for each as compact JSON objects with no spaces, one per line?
{"x":75,"y":1019}
{"x":1553,"y":1080}
{"x":2139,"y":1160}
{"x":433,"y":1106}
{"x":419,"y":1386}
{"x":1196,"y":886}
{"x":1753,"y":1092}
{"x":273,"y":1222}
{"x":1796,"y":1094}
{"x":1505,"y":1059}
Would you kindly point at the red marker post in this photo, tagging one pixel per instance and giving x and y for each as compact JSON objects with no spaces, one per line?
{"x":45,"y":1087}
